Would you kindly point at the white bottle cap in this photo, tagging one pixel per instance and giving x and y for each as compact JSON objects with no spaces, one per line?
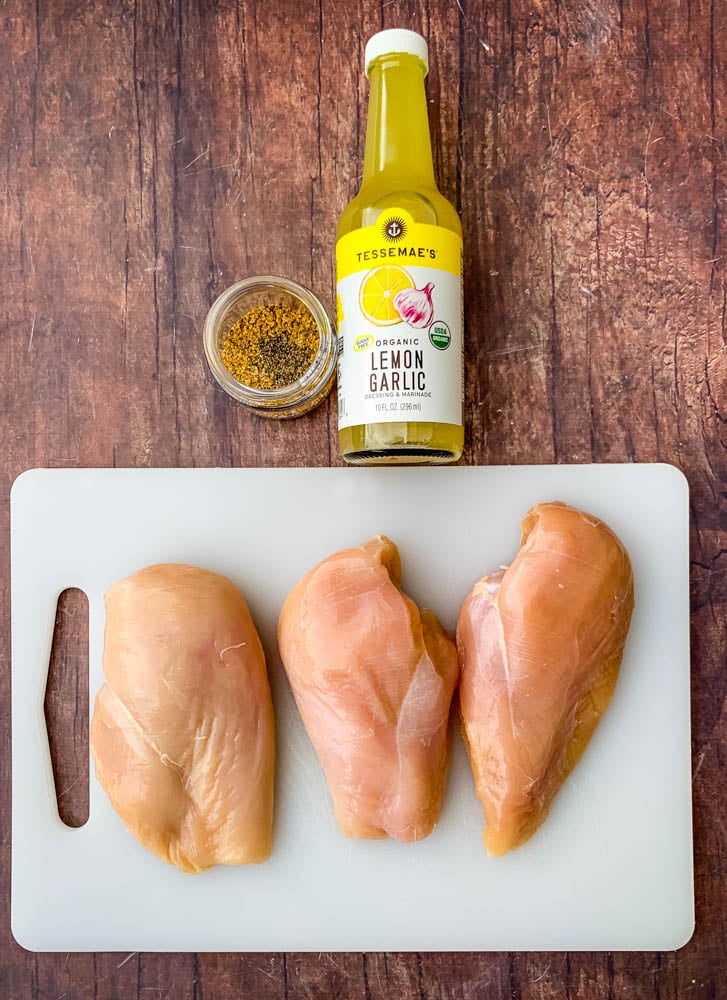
{"x":393,"y":41}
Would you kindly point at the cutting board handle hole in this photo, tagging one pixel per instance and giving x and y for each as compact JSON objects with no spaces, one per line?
{"x":66,"y":707}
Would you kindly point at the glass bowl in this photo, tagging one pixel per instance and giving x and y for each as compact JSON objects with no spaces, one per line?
{"x":267,"y":289}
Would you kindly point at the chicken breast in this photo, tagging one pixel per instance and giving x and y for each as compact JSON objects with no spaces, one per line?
{"x":182,"y":734}
{"x":373,"y":677}
{"x":540,"y":647}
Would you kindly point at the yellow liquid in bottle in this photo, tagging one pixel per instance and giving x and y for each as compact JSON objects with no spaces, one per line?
{"x":399,"y":173}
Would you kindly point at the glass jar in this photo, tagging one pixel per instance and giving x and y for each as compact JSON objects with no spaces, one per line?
{"x":264,"y":290}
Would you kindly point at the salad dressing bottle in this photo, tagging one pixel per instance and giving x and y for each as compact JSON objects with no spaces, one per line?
{"x":399,"y":280}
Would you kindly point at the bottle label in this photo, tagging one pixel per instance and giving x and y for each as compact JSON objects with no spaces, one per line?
{"x":399,"y":318}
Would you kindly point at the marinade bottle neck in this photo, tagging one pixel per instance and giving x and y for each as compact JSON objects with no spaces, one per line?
{"x":398,"y":147}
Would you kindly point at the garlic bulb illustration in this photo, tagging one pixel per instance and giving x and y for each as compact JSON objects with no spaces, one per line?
{"x":415,"y":306}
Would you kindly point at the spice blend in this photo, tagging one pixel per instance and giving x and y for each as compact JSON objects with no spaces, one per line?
{"x":271,"y":346}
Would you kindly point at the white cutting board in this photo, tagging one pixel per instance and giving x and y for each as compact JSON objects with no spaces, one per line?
{"x":610,"y":870}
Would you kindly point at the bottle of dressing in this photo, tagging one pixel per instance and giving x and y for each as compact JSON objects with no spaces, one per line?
{"x":399,"y":280}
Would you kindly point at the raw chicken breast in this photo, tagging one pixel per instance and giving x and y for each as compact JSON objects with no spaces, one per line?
{"x":373,"y":678}
{"x":182,"y":732}
{"x":540,"y":648}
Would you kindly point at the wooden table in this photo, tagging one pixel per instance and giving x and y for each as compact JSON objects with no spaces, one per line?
{"x":153,"y":153}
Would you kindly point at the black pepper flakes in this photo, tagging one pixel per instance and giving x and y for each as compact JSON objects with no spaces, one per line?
{"x":271,"y":346}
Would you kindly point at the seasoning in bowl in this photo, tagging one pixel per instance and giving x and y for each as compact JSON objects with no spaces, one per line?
{"x":271,"y":346}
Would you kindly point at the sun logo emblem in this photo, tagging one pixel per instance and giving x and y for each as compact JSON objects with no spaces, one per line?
{"x":394,"y":229}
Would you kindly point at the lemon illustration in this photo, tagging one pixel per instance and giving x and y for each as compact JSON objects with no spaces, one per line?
{"x":339,"y":311}
{"x":378,"y":288}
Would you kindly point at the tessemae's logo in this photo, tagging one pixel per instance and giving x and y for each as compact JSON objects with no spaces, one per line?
{"x":394,"y":229}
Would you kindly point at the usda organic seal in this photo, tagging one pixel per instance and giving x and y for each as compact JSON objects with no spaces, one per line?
{"x":439,"y":335}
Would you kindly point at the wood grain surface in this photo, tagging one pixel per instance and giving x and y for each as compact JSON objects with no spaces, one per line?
{"x":154,"y":152}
